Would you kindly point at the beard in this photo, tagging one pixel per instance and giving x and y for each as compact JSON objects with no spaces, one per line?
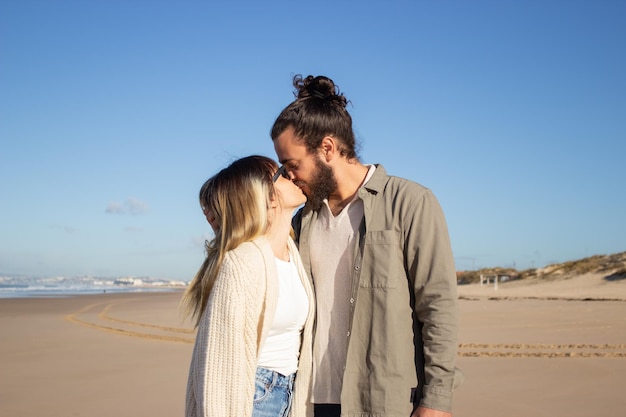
{"x":321,"y":185}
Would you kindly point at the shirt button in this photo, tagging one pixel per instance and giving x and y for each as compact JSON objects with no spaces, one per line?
{"x":352,"y":301}
{"x":348,"y":334}
{"x":357,"y":267}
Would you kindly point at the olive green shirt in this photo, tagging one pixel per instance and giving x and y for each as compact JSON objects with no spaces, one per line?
{"x":402,"y":338}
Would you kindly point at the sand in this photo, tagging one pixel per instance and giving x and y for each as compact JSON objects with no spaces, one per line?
{"x":104,"y":355}
{"x":555,"y":349}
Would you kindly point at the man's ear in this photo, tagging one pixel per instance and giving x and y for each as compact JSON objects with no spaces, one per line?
{"x":328,"y":148}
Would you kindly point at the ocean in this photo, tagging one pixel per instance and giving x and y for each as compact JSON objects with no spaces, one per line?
{"x":28,"y":287}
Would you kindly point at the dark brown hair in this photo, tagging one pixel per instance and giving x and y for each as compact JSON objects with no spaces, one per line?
{"x":319,"y":110}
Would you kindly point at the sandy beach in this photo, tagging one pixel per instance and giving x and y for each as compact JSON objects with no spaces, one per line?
{"x":94,"y":355}
{"x":553,"y":348}
{"x":541,"y":349}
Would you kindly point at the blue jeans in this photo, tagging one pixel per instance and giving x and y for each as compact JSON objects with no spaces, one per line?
{"x":273,"y":393}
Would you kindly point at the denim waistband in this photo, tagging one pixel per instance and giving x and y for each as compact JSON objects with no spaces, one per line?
{"x":276,"y":378}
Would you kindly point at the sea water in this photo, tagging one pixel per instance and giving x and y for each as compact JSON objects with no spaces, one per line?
{"x":11,"y":287}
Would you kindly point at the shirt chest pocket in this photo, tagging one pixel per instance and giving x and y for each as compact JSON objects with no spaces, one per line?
{"x":382,"y":265}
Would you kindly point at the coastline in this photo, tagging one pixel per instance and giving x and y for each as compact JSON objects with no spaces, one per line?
{"x":30,"y":291}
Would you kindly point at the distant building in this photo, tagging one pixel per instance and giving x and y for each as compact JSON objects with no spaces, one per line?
{"x":128,"y":281}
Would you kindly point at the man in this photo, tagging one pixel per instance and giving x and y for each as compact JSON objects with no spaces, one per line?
{"x":378,"y":251}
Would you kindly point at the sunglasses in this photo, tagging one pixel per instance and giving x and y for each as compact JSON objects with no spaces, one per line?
{"x":282,"y":172}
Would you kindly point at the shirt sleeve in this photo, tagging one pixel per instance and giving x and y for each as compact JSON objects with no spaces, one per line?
{"x":431,"y":265}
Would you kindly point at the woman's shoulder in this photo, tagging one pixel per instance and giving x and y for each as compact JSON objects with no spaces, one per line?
{"x":251,"y":253}
{"x":244,"y":266}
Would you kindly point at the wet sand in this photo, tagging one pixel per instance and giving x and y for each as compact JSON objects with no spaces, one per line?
{"x":540,"y":352}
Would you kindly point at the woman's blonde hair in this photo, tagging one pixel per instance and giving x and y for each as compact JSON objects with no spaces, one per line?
{"x":239,"y":196}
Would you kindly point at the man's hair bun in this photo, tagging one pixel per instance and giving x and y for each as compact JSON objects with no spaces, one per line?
{"x":320,"y":87}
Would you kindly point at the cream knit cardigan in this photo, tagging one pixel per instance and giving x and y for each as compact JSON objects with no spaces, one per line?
{"x":232,"y":330}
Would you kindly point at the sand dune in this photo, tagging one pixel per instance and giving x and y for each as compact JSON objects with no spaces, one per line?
{"x":588,"y":286}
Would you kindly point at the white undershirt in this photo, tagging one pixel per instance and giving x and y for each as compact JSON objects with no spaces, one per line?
{"x":281,"y":349}
{"x":332,"y":257}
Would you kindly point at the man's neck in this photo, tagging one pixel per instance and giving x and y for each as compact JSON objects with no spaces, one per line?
{"x":349,"y":177}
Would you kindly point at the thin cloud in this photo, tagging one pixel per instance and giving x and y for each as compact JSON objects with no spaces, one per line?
{"x":115,"y":208}
{"x":136,"y":206}
{"x":132,"y":206}
{"x":66,"y":229}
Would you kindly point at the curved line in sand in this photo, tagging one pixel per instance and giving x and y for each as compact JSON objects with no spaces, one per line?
{"x":105,"y":316}
{"x":72,"y":318}
{"x":516,"y":347}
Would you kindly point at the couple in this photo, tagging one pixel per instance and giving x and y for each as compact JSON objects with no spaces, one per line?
{"x":379,"y":338}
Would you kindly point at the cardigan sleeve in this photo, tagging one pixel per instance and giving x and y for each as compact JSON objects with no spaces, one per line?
{"x":223,"y":366}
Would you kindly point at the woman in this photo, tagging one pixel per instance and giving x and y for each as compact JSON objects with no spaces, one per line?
{"x":251,"y":299}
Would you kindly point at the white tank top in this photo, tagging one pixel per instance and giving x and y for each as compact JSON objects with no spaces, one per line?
{"x":281,"y":349}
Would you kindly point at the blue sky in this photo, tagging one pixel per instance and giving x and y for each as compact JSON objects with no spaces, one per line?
{"x":113,"y":113}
